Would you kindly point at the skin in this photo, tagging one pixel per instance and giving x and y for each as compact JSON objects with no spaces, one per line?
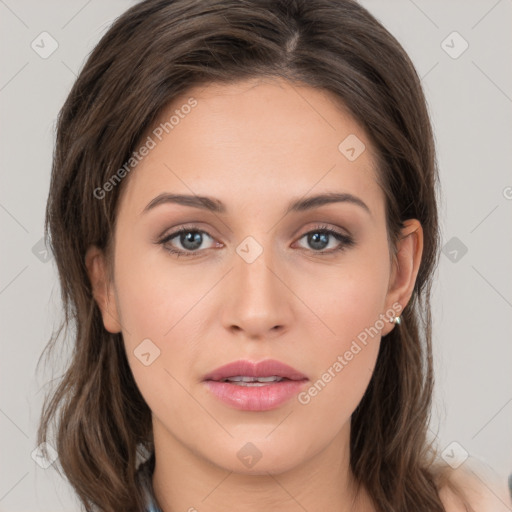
{"x":255,"y":145}
{"x":484,"y":490}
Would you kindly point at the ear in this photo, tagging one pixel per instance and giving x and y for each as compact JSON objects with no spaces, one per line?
{"x":406,"y":264}
{"x":102,"y":288}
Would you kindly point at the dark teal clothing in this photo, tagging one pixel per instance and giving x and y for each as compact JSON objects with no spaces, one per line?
{"x":144,"y":474}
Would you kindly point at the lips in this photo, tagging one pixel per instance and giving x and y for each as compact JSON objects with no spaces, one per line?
{"x":246,"y":371}
{"x":260,"y":386}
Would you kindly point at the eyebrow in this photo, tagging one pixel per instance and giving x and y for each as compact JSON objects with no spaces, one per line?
{"x":216,"y":206}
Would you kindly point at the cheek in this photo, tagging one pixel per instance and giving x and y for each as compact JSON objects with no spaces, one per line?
{"x":350,"y":304}
{"x":156,"y":303}
{"x":348,"y":298}
{"x":331,"y":398}
{"x":160,"y":302}
{"x":344,"y":361}
{"x":153,"y":294}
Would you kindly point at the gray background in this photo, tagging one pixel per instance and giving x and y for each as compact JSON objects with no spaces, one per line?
{"x":470,"y":99}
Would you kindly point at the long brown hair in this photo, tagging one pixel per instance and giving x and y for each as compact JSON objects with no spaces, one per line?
{"x":155,"y":51}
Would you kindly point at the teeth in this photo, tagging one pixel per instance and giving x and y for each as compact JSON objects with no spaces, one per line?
{"x":243,"y":380}
{"x":250,"y":384}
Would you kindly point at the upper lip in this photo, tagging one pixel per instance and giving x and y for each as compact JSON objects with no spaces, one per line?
{"x":265,"y":368}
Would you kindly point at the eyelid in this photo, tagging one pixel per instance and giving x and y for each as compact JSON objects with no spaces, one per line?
{"x":345,"y":240}
{"x":195,"y":226}
{"x":185,"y":229}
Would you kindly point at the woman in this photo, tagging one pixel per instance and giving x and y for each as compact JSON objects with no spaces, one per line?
{"x":243,"y":214}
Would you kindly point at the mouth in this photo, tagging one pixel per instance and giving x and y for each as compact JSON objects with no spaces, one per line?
{"x":259,"y":386}
{"x":245,"y":372}
{"x":242,"y":380}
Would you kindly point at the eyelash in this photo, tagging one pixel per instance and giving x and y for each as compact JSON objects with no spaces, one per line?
{"x":346,"y":241}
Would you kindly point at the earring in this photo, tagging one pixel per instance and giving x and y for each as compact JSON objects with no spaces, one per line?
{"x":396,"y":320}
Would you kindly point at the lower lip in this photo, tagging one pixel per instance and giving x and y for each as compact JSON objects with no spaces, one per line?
{"x":255,"y":398}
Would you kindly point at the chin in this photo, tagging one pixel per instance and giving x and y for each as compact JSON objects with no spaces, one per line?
{"x":259,"y":455}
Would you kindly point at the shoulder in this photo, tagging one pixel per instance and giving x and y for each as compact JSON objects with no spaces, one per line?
{"x":472,"y":488}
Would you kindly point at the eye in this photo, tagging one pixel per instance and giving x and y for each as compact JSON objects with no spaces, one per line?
{"x":191,"y":240}
{"x":320,"y":237}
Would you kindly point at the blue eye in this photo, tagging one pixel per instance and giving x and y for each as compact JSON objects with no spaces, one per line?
{"x":319,"y":239}
{"x":191,"y":240}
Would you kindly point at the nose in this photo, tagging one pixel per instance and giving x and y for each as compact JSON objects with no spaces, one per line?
{"x":258,"y":298}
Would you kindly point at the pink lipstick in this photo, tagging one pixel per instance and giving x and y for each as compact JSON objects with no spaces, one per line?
{"x":250,"y":386}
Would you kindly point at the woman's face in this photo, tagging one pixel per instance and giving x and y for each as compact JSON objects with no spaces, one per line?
{"x":262,"y":280}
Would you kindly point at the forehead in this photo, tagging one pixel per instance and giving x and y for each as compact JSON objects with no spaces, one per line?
{"x":255,"y":110}
{"x":258,"y":139}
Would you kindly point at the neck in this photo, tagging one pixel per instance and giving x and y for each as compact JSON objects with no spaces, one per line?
{"x":185,"y":481}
